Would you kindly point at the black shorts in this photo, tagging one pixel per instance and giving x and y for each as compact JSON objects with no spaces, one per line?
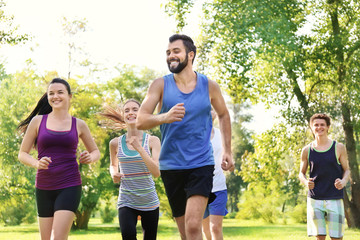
{"x":50,"y":201}
{"x":182,"y":184}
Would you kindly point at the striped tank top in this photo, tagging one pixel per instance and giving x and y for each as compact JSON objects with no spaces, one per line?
{"x":137,"y":188}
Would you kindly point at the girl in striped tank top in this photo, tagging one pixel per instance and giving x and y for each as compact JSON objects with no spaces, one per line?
{"x":134,"y":160}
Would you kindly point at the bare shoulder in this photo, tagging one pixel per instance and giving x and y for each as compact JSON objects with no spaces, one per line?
{"x":305,"y":150}
{"x":157,"y":83}
{"x":154,"y":139}
{"x":114,"y":142}
{"x":81,"y":124}
{"x":340,"y":148}
{"x":213,"y":85}
{"x":339,"y":145}
{"x":35,"y":122}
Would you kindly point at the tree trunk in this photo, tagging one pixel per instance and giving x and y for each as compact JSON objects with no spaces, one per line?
{"x":352,"y":206}
{"x":82,"y":219}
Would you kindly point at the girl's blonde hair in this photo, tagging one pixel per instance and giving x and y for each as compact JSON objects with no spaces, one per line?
{"x":115,"y":116}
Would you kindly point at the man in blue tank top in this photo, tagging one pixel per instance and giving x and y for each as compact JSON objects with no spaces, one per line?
{"x":328,"y":175}
{"x":184,"y":99}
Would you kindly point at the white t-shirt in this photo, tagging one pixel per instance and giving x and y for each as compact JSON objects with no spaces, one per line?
{"x":219,"y":180}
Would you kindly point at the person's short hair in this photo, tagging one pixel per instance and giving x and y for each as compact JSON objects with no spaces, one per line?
{"x":187,"y":41}
{"x":320,"y":116}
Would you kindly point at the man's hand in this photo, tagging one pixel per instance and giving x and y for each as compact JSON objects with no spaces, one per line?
{"x":176,"y":113}
{"x":227,"y":163}
{"x":310,"y":183}
{"x":339,"y":184}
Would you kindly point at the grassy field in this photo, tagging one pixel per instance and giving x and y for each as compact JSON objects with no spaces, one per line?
{"x":233,"y":229}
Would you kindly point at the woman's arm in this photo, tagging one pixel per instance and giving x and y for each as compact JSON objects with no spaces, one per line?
{"x":92,"y":153}
{"x":152,"y":162}
{"x":28,"y":143}
{"x":114,"y":161}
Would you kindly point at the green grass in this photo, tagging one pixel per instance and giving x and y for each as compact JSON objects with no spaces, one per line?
{"x":233,"y":230}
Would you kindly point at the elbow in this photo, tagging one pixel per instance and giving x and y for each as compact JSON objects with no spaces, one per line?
{"x":20,"y":157}
{"x":139,"y":124}
{"x":157,"y":174}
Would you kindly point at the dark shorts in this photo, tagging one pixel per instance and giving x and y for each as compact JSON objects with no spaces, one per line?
{"x":50,"y":201}
{"x":182,"y":184}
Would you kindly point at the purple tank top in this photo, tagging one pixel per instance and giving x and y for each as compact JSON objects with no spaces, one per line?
{"x":61,"y":147}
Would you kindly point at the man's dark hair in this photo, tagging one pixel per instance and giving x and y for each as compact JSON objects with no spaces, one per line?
{"x":187,"y":41}
{"x":320,"y":116}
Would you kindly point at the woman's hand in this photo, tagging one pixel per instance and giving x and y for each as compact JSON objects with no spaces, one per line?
{"x":85,"y":157}
{"x":43,"y":163}
{"x":134,"y":142}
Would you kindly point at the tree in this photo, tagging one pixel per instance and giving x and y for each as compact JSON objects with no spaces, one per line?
{"x":272,"y":169}
{"x":17,"y":184}
{"x":242,"y":144}
{"x":8,"y":32}
{"x":72,"y":29}
{"x":302,"y":55}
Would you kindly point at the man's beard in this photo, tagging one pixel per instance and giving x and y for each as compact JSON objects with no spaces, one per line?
{"x":179,"y":67}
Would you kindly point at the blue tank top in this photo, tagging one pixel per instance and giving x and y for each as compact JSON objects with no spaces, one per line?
{"x":325,"y":168}
{"x":137,"y":188}
{"x":186,"y":144}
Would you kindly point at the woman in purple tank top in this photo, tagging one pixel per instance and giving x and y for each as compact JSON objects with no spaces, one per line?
{"x":55,"y":133}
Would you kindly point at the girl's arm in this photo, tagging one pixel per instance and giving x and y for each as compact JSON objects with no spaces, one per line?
{"x":114,"y":161}
{"x":27,"y":144}
{"x":92,"y":153}
{"x":152,"y":162}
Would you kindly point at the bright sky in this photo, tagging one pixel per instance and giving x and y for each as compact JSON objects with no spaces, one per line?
{"x":132,"y":32}
{"x":120,"y":31}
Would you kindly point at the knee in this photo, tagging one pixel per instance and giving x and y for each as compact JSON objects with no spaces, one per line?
{"x":193,"y":227}
{"x":216,"y":230}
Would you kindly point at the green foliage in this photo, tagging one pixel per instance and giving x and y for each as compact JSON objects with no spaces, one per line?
{"x":271,"y":172}
{"x":108,"y":209}
{"x":179,"y":9}
{"x":14,"y":212}
{"x":17,"y":188}
{"x":241,"y":144}
{"x":299,"y":213}
{"x":8,"y":32}
{"x":302,"y":55}
{"x":261,"y":201}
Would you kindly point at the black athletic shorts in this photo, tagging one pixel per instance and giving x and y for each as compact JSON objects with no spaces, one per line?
{"x":50,"y":201}
{"x":182,"y":184}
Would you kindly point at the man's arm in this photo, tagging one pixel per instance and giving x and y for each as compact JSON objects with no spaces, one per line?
{"x":146,"y":119}
{"x":303,"y":168}
{"x":218,"y":102}
{"x":343,"y":159}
